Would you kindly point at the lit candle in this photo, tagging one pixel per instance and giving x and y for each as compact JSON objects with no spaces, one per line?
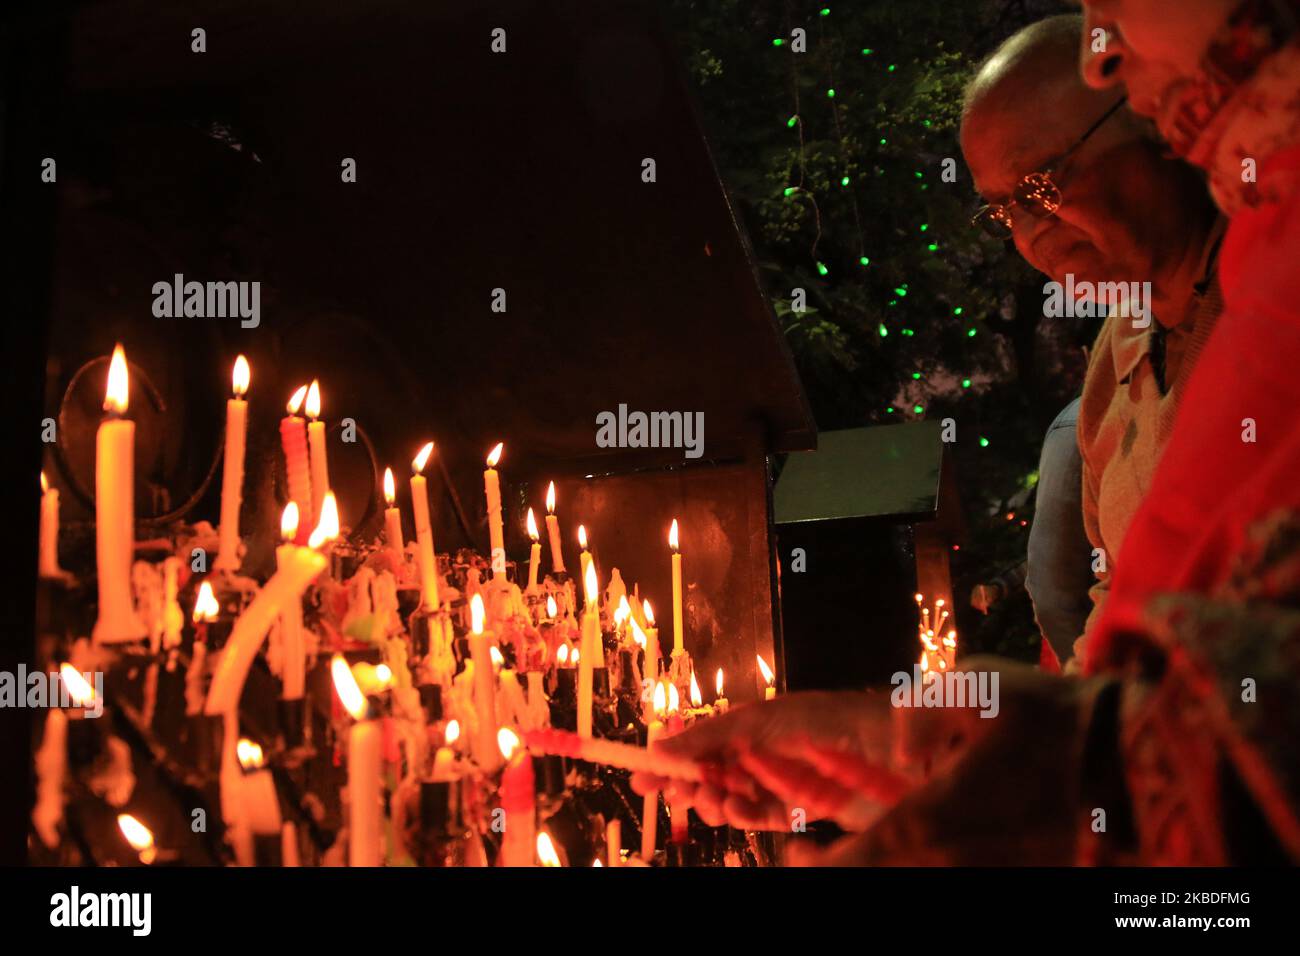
{"x":293,"y":439}
{"x":232,"y":473}
{"x":424,"y":530}
{"x":592,"y":653}
{"x":517,"y":800}
{"x":651,"y":643}
{"x":650,"y":809}
{"x":320,"y":475}
{"x":496,"y":531}
{"x":290,"y":580}
{"x":553,"y":531}
{"x":584,"y":556}
{"x":393,"y":518}
{"x":678,"y":645}
{"x":768,"y":678}
{"x":364,"y":740}
{"x":546,"y":854}
{"x":535,"y":555}
{"x":721,"y":702}
{"x":49,"y":540}
{"x":294,"y":672}
{"x":115,"y":510}
{"x":139,"y":836}
{"x":484,"y":687}
{"x":614,"y":842}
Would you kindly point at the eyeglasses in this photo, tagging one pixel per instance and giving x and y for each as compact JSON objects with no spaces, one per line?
{"x":1037,"y":193}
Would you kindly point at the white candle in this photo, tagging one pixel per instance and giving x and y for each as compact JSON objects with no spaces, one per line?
{"x":364,"y":824}
{"x":294,"y":671}
{"x":678,"y":643}
{"x":232,"y":471}
{"x":293,"y":439}
{"x":720,"y":703}
{"x":115,"y":511}
{"x":584,"y":555}
{"x":592,"y":654}
{"x":393,"y":518}
{"x":535,"y":555}
{"x":650,"y":809}
{"x":486,"y":751}
{"x":424,"y":554}
{"x":651,"y":643}
{"x":49,"y":541}
{"x":320,"y":474}
{"x":553,"y":531}
{"x":496,"y":530}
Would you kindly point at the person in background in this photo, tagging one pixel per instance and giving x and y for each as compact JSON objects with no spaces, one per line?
{"x":1086,"y":194}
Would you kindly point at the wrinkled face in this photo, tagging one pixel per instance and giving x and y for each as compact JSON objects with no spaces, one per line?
{"x":1151,"y":47}
{"x":1118,"y":194}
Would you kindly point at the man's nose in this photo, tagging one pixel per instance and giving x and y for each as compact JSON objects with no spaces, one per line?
{"x":1102,"y":55}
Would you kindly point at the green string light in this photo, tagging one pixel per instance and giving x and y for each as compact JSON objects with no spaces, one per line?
{"x":970,"y":333}
{"x":965,"y":383}
{"x":916,"y":376}
{"x":844,"y":181}
{"x":831,"y":93}
{"x":867,"y":51}
{"x":901,"y":292}
{"x":821,"y":268}
{"x":778,"y":42}
{"x":825,"y":11}
{"x":789,"y":191}
{"x":919,"y":175}
{"x":958,"y":310}
{"x":984,"y":443}
{"x":918,"y":409}
{"x":892,"y":67}
{"x":790,"y":123}
{"x":908,"y":332}
{"x":864,"y":261}
{"x":884,"y":332}
{"x":925,"y":227}
{"x":890,"y":409}
{"x":883,"y":141}
{"x":933,"y":247}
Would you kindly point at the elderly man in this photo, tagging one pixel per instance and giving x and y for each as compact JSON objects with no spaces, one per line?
{"x":1087,"y":196}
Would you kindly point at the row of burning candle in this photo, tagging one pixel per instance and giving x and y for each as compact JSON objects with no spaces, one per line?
{"x":938,"y":650}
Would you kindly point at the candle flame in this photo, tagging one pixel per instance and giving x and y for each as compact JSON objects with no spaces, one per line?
{"x":622,"y":612}
{"x":137,"y":834}
{"x":674,"y":702}
{"x":452,"y":732}
{"x":551,"y":608}
{"x":45,"y":484}
{"x":79,"y":688}
{"x":596,"y":862}
{"x":768,"y":676}
{"x":390,"y":488}
{"x":532,"y":525}
{"x":590,"y":585}
{"x":638,"y":635}
{"x":717,"y":682}
{"x":345,"y":685}
{"x":494,"y":455}
{"x":575,"y":657}
{"x":328,"y":528}
{"x":249,"y":754}
{"x":660,"y":701}
{"x":582,"y":537}
{"x":422,"y":459}
{"x":476,"y":613}
{"x":206,"y":607}
{"x":508,"y":741}
{"x":240,"y":377}
{"x":562,"y":655}
{"x":115,"y":395}
{"x":697,"y":699}
{"x":649,"y":613}
{"x":296,"y":400}
{"x":384,"y":674}
{"x":550,"y":498}
{"x":546,"y":854}
{"x":497,"y":658}
{"x":289,"y":521}
{"x":313,"y":400}
{"x":672,"y":536}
